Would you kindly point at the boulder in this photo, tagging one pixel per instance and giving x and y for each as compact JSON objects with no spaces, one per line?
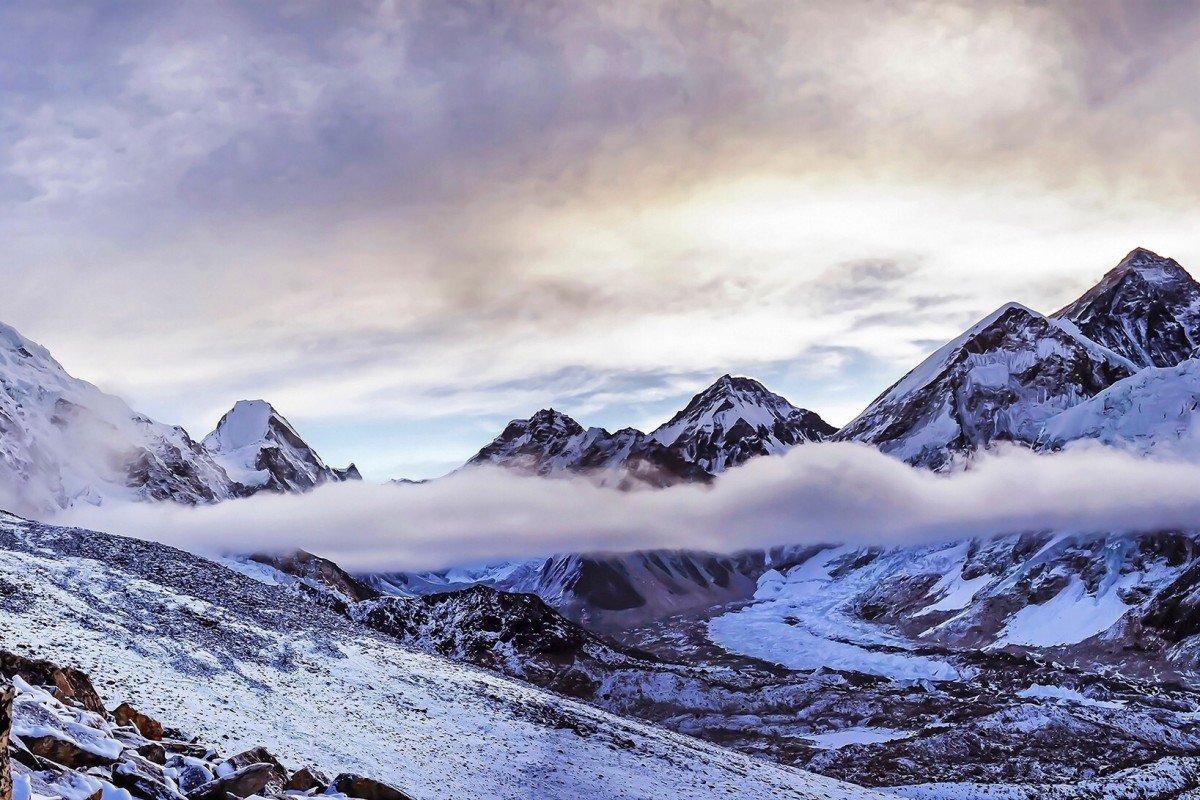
{"x":65,"y":752}
{"x":143,"y":779}
{"x":252,"y":779}
{"x":190,"y":773}
{"x":147,"y":726}
{"x":257,"y":755}
{"x":68,"y":684}
{"x":363,"y":788}
{"x":307,"y":779}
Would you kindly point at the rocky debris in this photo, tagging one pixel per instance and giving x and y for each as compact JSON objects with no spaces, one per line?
{"x":54,"y":746}
{"x":147,"y":726}
{"x":353,"y":785}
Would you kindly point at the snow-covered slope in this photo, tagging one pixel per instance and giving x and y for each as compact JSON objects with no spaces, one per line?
{"x":261,"y":450}
{"x":63,"y":442}
{"x":1152,"y":411}
{"x":734,"y":420}
{"x":231,"y":659}
{"x":1001,"y":380}
{"x":1147,"y":308}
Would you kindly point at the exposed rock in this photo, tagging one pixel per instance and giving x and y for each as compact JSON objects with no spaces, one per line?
{"x":258,"y":755}
{"x":353,"y":785}
{"x":149,"y":727}
{"x":252,"y":779}
{"x":67,"y":683}
{"x":65,"y":752}
{"x":143,"y":779}
{"x":307,"y":779}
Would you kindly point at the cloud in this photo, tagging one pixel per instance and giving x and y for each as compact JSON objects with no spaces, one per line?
{"x":815,"y":493}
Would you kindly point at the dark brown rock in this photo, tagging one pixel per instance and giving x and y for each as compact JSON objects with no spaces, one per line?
{"x":143,"y":779}
{"x":149,"y":727}
{"x":252,"y":779}
{"x":306,"y":779}
{"x":260,"y":755}
{"x":363,"y":788}
{"x":68,"y":684}
{"x":66,"y":753}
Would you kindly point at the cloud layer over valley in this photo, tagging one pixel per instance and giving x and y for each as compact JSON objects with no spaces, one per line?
{"x":814,"y":493}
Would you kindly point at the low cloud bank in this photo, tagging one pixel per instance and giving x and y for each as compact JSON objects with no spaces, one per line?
{"x":827,"y":492}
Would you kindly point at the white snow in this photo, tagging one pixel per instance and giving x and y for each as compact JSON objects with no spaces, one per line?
{"x":1069,"y":617}
{"x":834,"y":740}
{"x":1062,"y":693}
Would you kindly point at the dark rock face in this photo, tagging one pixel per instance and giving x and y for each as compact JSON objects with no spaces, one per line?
{"x":1147,"y":309}
{"x":514,"y":634}
{"x":319,"y":571}
{"x":551,"y":443}
{"x":1000,"y":381}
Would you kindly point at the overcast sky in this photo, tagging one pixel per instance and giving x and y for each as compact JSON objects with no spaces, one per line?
{"x":405,"y":223}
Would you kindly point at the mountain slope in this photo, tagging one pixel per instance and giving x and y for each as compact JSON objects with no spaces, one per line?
{"x":1154,"y":410}
{"x":731,"y":421}
{"x":234,"y":660}
{"x":261,"y":450}
{"x":63,"y":442}
{"x":999,"y":381}
{"x":1147,"y":309}
{"x":736,"y":419}
{"x":550,"y":443}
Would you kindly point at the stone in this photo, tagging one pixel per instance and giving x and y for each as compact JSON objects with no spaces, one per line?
{"x":364,"y":788}
{"x":69,"y":685}
{"x":252,"y":779}
{"x":7,"y":694}
{"x":147,"y":726}
{"x":307,"y":779}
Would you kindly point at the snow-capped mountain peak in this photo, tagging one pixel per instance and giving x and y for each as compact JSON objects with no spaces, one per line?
{"x":735,"y":419}
{"x":260,"y":449}
{"x":1000,"y":380}
{"x":1147,"y":308}
{"x":63,"y":441}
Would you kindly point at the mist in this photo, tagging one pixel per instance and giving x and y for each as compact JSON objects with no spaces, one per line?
{"x":815,"y":493}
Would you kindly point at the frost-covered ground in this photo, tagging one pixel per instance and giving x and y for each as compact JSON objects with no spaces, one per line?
{"x":244,"y":664}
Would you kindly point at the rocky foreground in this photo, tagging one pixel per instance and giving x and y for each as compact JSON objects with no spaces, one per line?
{"x":58,"y":740}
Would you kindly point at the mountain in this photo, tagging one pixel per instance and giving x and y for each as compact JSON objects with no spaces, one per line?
{"x":1147,"y":309}
{"x":1151,"y":411}
{"x":550,"y":443}
{"x":1001,"y":380}
{"x":65,"y":442}
{"x":236,"y":661}
{"x":729,"y":422}
{"x":261,"y":450}
{"x":734,"y":420}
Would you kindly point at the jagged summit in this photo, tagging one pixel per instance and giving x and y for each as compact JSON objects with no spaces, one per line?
{"x":260,"y":449}
{"x":731,"y":421}
{"x":998,"y":381}
{"x":64,"y":442}
{"x":1147,"y":308}
{"x":735,"y":419}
